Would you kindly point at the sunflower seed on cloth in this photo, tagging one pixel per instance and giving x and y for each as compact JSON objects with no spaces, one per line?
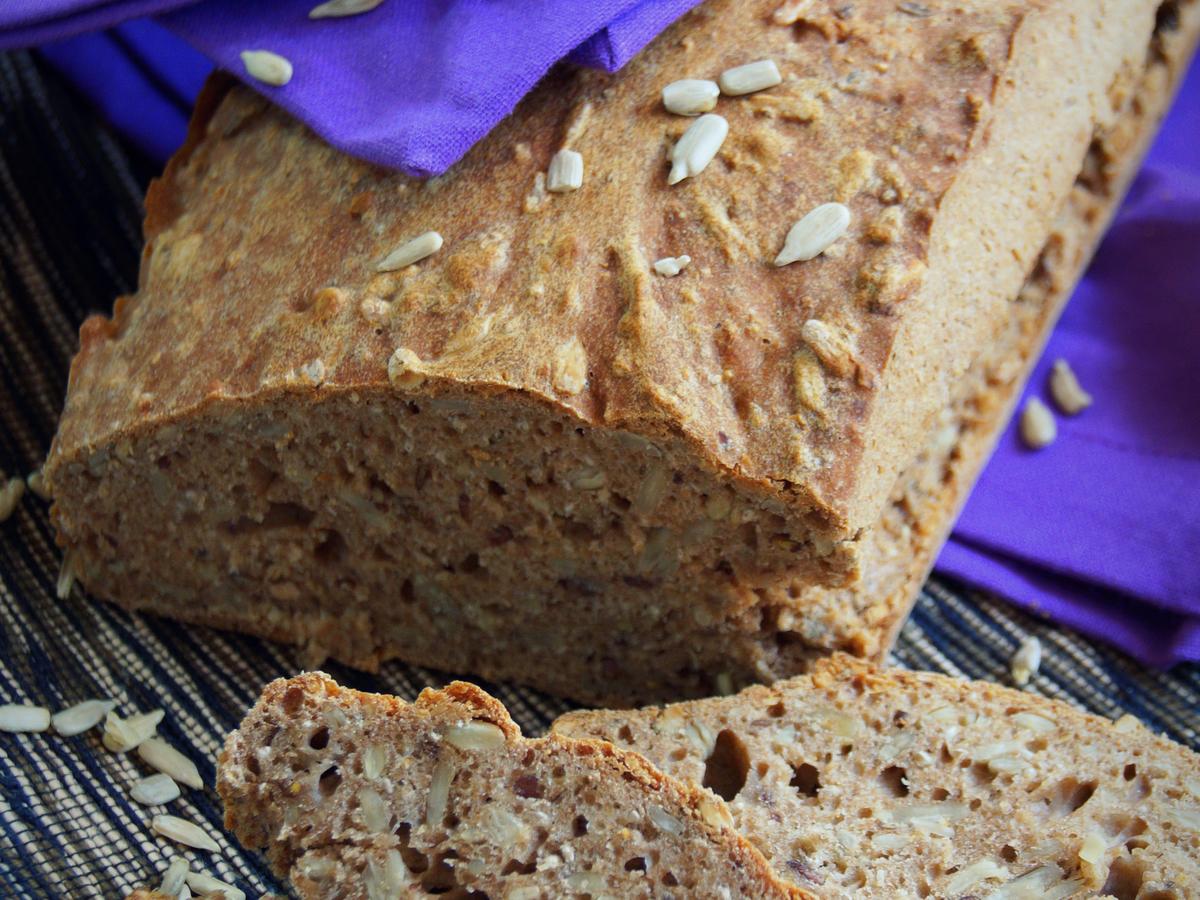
{"x":752,"y":77}
{"x":206,"y":884}
{"x":81,"y":717}
{"x":1038,"y":428}
{"x":335,"y":9}
{"x":183,"y":832}
{"x":696,"y":149}
{"x":155,"y":790}
{"x":1068,"y":395}
{"x":1026,"y":660}
{"x":175,"y":877}
{"x":10,"y":495}
{"x":160,"y":755}
{"x":122,"y":735}
{"x":411,"y":252}
{"x":267,"y":67}
{"x":36,"y":482}
{"x":690,"y":96}
{"x":23,"y":717}
{"x":813,"y":235}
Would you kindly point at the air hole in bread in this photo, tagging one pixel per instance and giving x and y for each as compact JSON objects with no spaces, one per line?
{"x":332,"y":548}
{"x":1125,"y":877}
{"x":776,"y":710}
{"x":319,"y":739}
{"x":1008,"y":853}
{"x":329,"y":781}
{"x":580,"y":826}
{"x":727,"y":766}
{"x":516,"y":867}
{"x":1069,"y":795}
{"x":637,"y":864}
{"x":292,"y":701}
{"x":893,"y":780}
{"x":670,"y":880}
{"x":625,"y":733}
{"x":1130,"y":772}
{"x":939,"y":794}
{"x":806,"y":779}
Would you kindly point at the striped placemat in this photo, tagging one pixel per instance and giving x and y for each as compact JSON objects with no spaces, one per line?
{"x":70,"y":238}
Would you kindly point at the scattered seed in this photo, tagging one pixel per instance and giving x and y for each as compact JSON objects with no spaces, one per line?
{"x":10,"y":496}
{"x":791,"y":12}
{"x":690,"y":96}
{"x":160,"y":755}
{"x":205,"y":884}
{"x":1068,"y":396}
{"x":672,"y":265}
{"x":755,"y":76}
{"x":696,"y":149}
{"x":81,"y":717}
{"x":36,"y":482}
{"x":155,"y":790}
{"x":566,"y":172}
{"x":916,"y":10}
{"x":1038,"y":428}
{"x":175,"y":877}
{"x":1026,"y":660}
{"x":66,"y":579}
{"x":267,"y":67}
{"x":122,"y":735}
{"x":812,"y":235}
{"x":335,"y":9}
{"x":413,"y":251}
{"x":183,"y":832}
{"x":21,"y":717}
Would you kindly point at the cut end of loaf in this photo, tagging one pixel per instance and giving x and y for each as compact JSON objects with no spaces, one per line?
{"x":358,"y":795}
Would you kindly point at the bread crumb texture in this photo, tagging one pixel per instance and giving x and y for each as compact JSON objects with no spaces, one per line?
{"x":362,"y":796}
{"x":856,"y":782}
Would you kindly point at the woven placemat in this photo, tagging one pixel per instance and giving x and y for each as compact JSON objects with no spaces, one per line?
{"x":70,"y":239}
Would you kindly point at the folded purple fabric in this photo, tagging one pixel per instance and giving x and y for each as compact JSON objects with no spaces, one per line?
{"x":1101,"y":530}
{"x":411,"y":85}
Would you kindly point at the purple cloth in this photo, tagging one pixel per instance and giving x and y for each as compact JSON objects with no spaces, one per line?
{"x":411,"y":85}
{"x":1101,"y":530}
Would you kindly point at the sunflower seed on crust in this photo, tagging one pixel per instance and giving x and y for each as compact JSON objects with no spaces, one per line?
{"x":670,"y":266}
{"x":267,"y":67}
{"x":183,"y":832}
{"x":565,"y":173}
{"x":690,"y":96}
{"x":411,"y":252}
{"x":81,"y":717}
{"x":750,"y":78}
{"x":696,"y":149}
{"x":813,"y":234}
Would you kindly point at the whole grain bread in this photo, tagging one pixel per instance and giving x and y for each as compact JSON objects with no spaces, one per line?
{"x":530,"y":457}
{"x":857,"y":782}
{"x":359,"y":795}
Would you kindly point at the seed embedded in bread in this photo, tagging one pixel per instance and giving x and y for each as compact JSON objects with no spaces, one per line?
{"x":565,"y":173}
{"x":1069,"y":396}
{"x":814,"y":234}
{"x":690,"y":96}
{"x":696,"y":149}
{"x":749,"y":78}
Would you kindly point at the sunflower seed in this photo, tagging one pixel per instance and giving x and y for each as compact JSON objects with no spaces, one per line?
{"x":81,"y":717}
{"x":1026,"y":660}
{"x":669,"y":266}
{"x":267,"y":67}
{"x":160,"y":755}
{"x":335,"y":9}
{"x":565,"y":173}
{"x":183,"y":832}
{"x":36,"y":482}
{"x":1065,"y":389}
{"x":413,"y":251}
{"x":1038,"y":428}
{"x":122,"y":735}
{"x":155,"y":790}
{"x":174,"y":878}
{"x":812,"y":235}
{"x":10,"y":496}
{"x":791,"y":12}
{"x":696,"y":149}
{"x":475,"y":735}
{"x":755,"y":76}
{"x":17,"y":717}
{"x":66,"y":579}
{"x":439,"y":794}
{"x":690,"y":96}
{"x":205,"y":884}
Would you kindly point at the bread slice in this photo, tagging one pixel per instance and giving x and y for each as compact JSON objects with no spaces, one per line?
{"x":531,"y":457}
{"x":365,"y":796}
{"x":857,"y":782}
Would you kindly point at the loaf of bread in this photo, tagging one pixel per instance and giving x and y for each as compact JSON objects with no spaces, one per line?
{"x":530,"y":455}
{"x":365,"y":796}
{"x":863,"y":783}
